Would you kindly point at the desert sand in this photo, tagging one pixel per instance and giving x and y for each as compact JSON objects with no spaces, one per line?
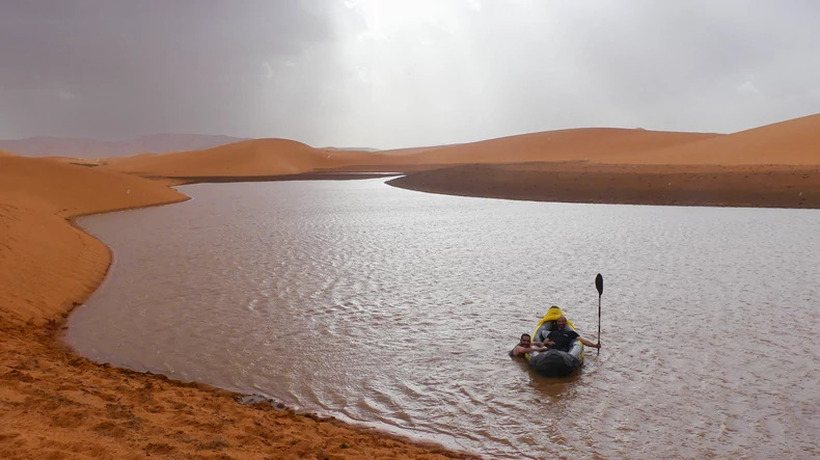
{"x":55,"y":403}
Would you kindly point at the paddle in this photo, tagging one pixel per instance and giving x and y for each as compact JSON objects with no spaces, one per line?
{"x":599,"y":284}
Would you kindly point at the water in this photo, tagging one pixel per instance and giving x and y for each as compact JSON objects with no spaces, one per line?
{"x":396,"y":309}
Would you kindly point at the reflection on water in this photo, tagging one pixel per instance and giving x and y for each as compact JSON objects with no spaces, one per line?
{"x":396,"y":309}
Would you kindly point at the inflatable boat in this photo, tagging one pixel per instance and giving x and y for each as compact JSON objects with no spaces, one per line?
{"x":555,"y":363}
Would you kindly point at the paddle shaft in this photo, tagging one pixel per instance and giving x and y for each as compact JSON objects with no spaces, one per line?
{"x":599,"y":323}
{"x":599,"y":285}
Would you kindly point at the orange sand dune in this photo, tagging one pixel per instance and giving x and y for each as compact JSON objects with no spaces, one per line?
{"x":599,"y":145}
{"x":792,"y":142}
{"x":258,"y":157}
{"x":54,"y":404}
{"x":70,"y":190}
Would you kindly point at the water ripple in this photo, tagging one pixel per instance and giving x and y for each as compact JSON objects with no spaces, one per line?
{"x":397,"y":308}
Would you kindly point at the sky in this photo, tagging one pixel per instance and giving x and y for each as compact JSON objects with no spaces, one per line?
{"x":392,"y":73}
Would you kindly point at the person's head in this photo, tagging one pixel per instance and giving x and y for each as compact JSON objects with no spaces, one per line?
{"x":561,"y":322}
{"x":525,"y":339}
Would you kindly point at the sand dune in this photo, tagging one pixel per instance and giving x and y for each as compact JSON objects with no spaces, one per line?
{"x":599,"y":145}
{"x":56,"y":404}
{"x":258,"y":157}
{"x":70,"y":190}
{"x":792,"y":142}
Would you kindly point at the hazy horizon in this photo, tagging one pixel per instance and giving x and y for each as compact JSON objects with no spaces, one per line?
{"x":392,"y":74}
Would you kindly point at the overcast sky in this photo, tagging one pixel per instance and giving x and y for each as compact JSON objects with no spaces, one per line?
{"x":391,"y":73}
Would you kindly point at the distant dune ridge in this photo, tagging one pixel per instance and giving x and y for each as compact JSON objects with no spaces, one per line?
{"x":278,"y":156}
{"x":247,"y":158}
{"x":94,"y":149}
{"x":793,"y":142}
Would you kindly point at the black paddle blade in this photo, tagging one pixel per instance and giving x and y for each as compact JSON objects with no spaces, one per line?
{"x":599,"y":284}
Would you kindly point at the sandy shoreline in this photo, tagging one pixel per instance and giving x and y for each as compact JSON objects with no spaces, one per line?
{"x":55,"y":403}
{"x":769,"y":186}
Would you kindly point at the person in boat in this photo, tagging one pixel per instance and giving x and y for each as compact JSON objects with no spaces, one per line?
{"x":561,"y":337}
{"x":526,"y":345}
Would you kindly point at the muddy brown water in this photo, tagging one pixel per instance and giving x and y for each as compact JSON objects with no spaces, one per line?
{"x":395,"y":309}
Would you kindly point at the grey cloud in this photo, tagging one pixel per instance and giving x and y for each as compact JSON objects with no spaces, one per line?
{"x":313,"y":72}
{"x":156,"y":63}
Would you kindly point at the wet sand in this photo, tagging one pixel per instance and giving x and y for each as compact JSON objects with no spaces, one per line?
{"x":580,"y":182}
{"x":55,"y":403}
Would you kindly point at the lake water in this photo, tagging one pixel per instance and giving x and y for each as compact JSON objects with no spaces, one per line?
{"x":395,"y":309}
